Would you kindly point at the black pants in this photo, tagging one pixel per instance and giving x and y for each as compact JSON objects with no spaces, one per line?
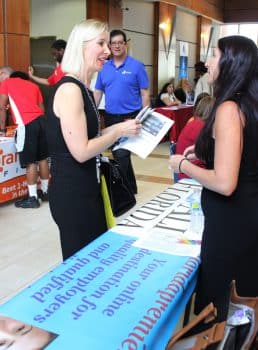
{"x":35,"y":143}
{"x":123,"y":156}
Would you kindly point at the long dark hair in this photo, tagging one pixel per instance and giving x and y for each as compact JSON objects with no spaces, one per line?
{"x":237,"y":81}
{"x":165,"y":87}
{"x":159,"y":102}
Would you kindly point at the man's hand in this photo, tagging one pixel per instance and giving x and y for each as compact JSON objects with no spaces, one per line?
{"x":30,"y":71}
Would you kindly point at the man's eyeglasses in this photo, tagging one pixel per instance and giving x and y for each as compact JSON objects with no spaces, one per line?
{"x":117,"y":43}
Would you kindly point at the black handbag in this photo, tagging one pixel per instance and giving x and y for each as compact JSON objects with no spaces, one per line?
{"x":121,"y":197}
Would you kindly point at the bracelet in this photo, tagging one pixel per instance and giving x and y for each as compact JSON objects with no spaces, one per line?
{"x":180,"y":163}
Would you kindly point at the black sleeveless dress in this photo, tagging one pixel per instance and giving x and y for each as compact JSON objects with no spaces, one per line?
{"x":74,"y":192}
{"x":230,"y":238}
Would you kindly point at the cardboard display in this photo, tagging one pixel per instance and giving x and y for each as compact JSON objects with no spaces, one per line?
{"x":13,"y":182}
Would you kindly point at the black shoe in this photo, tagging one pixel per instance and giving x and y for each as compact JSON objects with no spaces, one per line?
{"x":43,"y":195}
{"x":29,"y":202}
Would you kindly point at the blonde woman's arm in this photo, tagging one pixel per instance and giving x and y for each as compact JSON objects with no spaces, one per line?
{"x":69,"y":107}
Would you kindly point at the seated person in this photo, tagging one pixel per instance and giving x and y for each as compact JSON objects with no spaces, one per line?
{"x":183,"y":89}
{"x":191,"y":131}
{"x":167,"y":97}
{"x":198,"y":99}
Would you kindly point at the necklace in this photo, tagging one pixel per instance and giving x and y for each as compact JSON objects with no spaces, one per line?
{"x":99,"y":132}
{"x":99,"y":124}
{"x":91,"y":101}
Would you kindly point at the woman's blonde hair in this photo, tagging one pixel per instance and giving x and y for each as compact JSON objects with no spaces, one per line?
{"x":204,"y":107}
{"x":73,"y":60}
{"x":184,"y":84}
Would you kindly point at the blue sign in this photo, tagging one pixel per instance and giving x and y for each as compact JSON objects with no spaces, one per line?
{"x":183,"y":60}
{"x":109,"y":295}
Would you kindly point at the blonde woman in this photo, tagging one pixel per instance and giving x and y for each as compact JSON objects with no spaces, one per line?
{"x":75,"y":139}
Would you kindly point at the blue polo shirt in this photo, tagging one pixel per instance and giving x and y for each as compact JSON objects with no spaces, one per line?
{"x":122,"y":85}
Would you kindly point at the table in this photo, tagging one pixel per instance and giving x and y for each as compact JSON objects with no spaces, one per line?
{"x":180,"y":114}
{"x":13,"y":182}
{"x":112,"y":294}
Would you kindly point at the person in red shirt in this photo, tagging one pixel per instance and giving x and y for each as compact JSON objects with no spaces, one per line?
{"x":190,"y":132}
{"x":27,"y":109}
{"x":57,"y":51}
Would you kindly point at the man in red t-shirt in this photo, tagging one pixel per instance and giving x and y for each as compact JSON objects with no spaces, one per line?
{"x":27,"y":109}
{"x":57,"y":51}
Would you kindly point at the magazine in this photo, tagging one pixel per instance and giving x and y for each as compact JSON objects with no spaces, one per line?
{"x":154,"y":128}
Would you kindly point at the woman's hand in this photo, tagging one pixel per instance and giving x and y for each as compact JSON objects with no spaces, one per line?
{"x":128,"y":128}
{"x":189,"y":153}
{"x":174,"y":162}
{"x":30,"y":71}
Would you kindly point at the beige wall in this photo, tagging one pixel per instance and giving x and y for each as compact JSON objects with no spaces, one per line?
{"x":186,"y":30}
{"x":138,"y":23}
{"x":55,"y":17}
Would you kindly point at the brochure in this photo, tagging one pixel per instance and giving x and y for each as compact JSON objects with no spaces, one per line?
{"x":154,"y":128}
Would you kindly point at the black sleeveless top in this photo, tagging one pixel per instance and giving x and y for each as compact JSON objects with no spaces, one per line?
{"x":58,"y":150}
{"x":54,"y":128}
{"x":230,"y":238}
{"x":74,"y":193}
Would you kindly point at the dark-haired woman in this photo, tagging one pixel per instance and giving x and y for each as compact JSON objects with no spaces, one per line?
{"x":167,"y":97}
{"x":228,"y":144}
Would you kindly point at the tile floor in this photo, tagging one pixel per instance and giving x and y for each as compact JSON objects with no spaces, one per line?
{"x":29,"y":238}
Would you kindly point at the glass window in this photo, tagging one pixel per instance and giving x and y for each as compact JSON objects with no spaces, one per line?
{"x":250,"y":31}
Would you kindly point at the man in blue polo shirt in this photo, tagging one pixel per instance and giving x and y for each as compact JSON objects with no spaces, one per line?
{"x":125,"y":83}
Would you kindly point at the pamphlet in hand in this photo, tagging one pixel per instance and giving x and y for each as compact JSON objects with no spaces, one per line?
{"x":154,"y":128}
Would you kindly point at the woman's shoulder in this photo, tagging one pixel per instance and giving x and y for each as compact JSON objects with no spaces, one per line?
{"x":228,"y":114}
{"x":228,"y":110}
{"x":164,"y":95}
{"x":228,"y":104}
{"x":69,"y":84}
{"x":68,"y":92}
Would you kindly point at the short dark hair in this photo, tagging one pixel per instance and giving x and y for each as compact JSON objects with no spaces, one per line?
{"x":58,"y":44}
{"x":200,"y":67}
{"x":116,"y":32}
{"x":19,"y":74}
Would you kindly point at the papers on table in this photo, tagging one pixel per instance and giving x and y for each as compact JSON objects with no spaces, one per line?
{"x":169,"y":243}
{"x":174,"y":108}
{"x":163,"y":224}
